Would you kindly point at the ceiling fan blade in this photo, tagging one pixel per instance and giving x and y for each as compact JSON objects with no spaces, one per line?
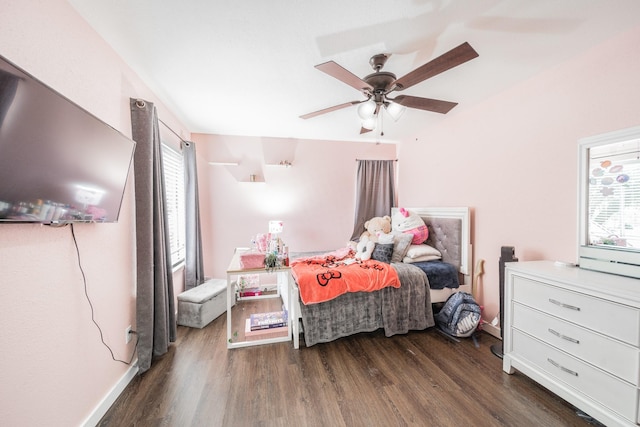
{"x":330,"y":109}
{"x":456,"y":56}
{"x":427,"y":104}
{"x":344,"y":75}
{"x":364,"y":130}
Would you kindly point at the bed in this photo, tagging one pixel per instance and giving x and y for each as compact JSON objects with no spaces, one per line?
{"x":396,"y":309}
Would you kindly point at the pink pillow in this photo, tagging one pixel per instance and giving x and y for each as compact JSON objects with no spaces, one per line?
{"x":420,"y":234}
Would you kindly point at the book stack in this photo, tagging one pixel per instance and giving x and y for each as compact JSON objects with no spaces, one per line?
{"x":261,"y":334}
{"x":250,"y":292}
{"x":274,"y":319}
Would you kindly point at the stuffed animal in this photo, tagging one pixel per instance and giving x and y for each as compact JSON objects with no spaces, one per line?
{"x":364,"y":248}
{"x":410,"y":222}
{"x":376,"y":225}
{"x":384,"y":238}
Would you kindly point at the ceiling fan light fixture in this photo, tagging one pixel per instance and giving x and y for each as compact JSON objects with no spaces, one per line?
{"x":395,"y":110}
{"x":367,"y":110}
{"x":377,"y":87}
{"x":369,"y":123}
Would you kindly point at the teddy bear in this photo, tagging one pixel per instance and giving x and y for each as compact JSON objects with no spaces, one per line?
{"x":410,"y":222}
{"x":375,"y":226}
{"x":364,"y":248}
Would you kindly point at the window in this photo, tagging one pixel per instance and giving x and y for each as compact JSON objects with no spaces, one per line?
{"x":614,"y":195}
{"x":173,"y":168}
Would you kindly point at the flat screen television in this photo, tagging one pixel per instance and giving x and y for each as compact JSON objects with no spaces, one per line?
{"x":58,"y":162}
{"x":609,"y":199}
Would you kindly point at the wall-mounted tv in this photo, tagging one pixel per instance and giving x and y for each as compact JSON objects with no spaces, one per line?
{"x":58,"y":162}
{"x":609,"y":225}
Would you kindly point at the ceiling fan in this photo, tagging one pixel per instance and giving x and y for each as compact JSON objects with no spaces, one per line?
{"x":377,"y":86}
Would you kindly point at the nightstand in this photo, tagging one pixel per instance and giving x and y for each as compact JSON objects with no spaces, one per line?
{"x":276,"y":289}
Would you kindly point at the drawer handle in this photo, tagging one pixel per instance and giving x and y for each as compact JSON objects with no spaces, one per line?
{"x":561,"y":304}
{"x":562,"y":368}
{"x":564,"y":337}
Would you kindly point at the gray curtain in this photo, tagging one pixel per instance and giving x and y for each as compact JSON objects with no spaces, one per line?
{"x":194,"y":266}
{"x":155,"y":308}
{"x":375,"y":192}
{"x":8,"y":87}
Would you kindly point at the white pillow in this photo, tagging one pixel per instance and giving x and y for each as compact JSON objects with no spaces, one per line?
{"x":408,"y":260}
{"x":418,"y":251}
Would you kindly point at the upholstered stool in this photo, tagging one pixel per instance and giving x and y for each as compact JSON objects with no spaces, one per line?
{"x":199,"y":306}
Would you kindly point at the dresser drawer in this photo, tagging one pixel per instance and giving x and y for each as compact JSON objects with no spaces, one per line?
{"x":616,"y":320}
{"x":620,"y":359}
{"x":610,"y":391}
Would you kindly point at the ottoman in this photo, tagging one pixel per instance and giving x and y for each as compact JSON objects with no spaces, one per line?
{"x":199,"y":306}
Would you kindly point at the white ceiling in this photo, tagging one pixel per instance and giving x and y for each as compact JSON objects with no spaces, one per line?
{"x":246,"y":67}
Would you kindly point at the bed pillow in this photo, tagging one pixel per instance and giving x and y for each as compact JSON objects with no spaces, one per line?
{"x":408,"y":260}
{"x":401,"y":243}
{"x":383,"y":252}
{"x":418,"y":251}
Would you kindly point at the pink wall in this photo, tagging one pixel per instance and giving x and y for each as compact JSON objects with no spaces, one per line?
{"x":53,"y":368}
{"x":315,"y":197}
{"x":513,"y":159}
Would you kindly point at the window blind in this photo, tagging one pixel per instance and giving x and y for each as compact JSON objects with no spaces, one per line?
{"x":173,"y":168}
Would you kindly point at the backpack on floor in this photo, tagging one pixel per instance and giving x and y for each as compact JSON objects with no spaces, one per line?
{"x":460,"y":315}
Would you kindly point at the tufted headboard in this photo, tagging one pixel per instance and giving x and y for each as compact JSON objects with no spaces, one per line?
{"x":445,"y":236}
{"x":449,"y":232}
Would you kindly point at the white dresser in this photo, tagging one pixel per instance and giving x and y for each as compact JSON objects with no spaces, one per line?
{"x":577,"y":333}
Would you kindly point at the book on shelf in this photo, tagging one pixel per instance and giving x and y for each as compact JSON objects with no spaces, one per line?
{"x":273,"y":319}
{"x":250,"y":292}
{"x":261,"y":334}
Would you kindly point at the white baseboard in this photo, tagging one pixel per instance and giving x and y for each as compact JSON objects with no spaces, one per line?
{"x":491,"y":330}
{"x":111,"y":397}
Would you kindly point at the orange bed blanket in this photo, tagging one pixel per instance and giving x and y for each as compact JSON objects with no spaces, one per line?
{"x":325,"y":277}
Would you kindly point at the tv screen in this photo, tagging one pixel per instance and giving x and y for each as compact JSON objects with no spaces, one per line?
{"x":58,"y":162}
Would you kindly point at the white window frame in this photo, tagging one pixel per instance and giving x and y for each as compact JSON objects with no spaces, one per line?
{"x":173,"y":171}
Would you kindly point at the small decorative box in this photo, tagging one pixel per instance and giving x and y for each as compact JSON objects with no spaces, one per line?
{"x":252,"y":260}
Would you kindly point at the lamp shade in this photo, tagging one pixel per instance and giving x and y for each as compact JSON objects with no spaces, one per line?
{"x":275,"y":227}
{"x":395,"y":110}
{"x":369,"y":123}
{"x":367,"y":110}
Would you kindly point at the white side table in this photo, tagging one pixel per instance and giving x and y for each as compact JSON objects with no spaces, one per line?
{"x":240,"y":308}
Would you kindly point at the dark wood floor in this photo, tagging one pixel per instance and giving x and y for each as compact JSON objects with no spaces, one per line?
{"x":418,"y":379}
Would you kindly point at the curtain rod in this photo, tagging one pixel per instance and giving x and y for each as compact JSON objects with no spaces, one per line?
{"x":357,"y":160}
{"x":173,"y":132}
